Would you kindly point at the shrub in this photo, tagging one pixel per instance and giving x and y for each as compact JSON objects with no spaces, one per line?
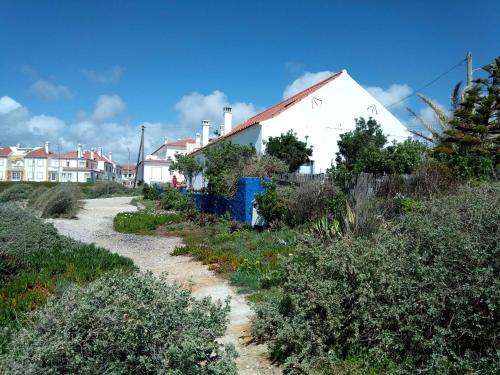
{"x":424,"y":294}
{"x":172,"y":199}
{"x":151,"y":192}
{"x":269,"y":205}
{"x":16,"y":192}
{"x":223,"y":166}
{"x":142,"y":222}
{"x":289,"y":149}
{"x":62,"y":201}
{"x":106,"y":188}
{"x":138,"y":324}
{"x":265,"y":166}
{"x":35,"y":261}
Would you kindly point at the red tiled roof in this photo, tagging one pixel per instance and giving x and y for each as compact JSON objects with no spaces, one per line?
{"x":40,"y":153}
{"x":275,"y":110}
{"x":128,"y":168}
{"x":5,"y":151}
{"x":181,"y":142}
{"x":74,"y":155}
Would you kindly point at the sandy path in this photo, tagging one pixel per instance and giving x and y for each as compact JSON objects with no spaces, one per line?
{"x":151,"y":253}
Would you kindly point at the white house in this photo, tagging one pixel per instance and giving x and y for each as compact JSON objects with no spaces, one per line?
{"x":41,"y":165}
{"x":157,"y":164}
{"x":318,"y":115}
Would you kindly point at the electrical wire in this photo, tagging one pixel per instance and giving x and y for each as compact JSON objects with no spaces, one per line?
{"x":428,"y":84}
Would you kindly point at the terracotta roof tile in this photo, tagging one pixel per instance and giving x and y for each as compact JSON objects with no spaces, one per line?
{"x":181,"y":142}
{"x":275,"y":110}
{"x":6,"y":151}
{"x":40,"y":153}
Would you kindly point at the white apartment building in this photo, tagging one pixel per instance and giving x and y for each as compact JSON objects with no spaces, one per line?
{"x":40,"y":164}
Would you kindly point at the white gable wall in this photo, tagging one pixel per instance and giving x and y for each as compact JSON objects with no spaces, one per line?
{"x":329,"y":112}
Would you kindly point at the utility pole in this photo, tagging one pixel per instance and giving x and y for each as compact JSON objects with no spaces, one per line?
{"x":140,"y":155}
{"x":469,"y":68}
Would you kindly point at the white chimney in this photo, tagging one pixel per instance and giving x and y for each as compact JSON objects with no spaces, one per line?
{"x":165,"y":140}
{"x":47,"y":147}
{"x":79,"y":151}
{"x":228,"y":120}
{"x":205,"y":130}
{"x":92,"y":153}
{"x":110,"y":156}
{"x":99,"y":151}
{"x":197,"y":143}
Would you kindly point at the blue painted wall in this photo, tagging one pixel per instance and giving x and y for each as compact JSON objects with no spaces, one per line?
{"x":240,"y":206}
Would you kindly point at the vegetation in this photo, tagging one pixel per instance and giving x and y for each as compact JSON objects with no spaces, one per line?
{"x":142,"y":222}
{"x":36,"y":262}
{"x":136,"y":324}
{"x":223,"y":166}
{"x":16,"y":192}
{"x":289,"y":149}
{"x":104,"y":189}
{"x":469,"y":139}
{"x":187,"y":166}
{"x":421,"y":295}
{"x":172,"y":199}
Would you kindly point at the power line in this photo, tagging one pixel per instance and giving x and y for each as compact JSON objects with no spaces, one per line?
{"x":428,"y":84}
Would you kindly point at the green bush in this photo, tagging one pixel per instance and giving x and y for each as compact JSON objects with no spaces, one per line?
{"x":142,"y":222}
{"x":106,"y":189}
{"x":270,"y":205}
{"x":62,"y":201}
{"x":172,"y":199}
{"x":150,"y":192}
{"x":16,"y":192}
{"x":139,"y":324}
{"x":35,"y":261}
{"x":424,"y":294}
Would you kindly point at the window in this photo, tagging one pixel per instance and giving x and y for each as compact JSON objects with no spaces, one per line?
{"x":1,"y":161}
{"x":40,"y":163}
{"x":54,"y":163}
{"x":16,"y":176}
{"x":82,"y":164}
{"x":30,"y":176}
{"x":31,"y":162}
{"x":53,"y":176}
{"x":67,"y":163}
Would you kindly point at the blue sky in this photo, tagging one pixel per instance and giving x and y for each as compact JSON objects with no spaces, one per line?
{"x":93,"y":71}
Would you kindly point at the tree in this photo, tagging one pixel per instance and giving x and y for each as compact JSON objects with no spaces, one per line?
{"x":224,"y":165}
{"x":362,"y":151}
{"x":187,"y":166}
{"x":288,"y":148}
{"x":361,"y":146}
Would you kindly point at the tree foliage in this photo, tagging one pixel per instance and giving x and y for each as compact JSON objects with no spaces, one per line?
{"x":187,"y":166}
{"x":223,"y":166}
{"x":363,"y":151}
{"x":288,"y":148}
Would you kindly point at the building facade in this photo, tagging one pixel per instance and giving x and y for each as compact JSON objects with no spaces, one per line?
{"x":318,"y":115}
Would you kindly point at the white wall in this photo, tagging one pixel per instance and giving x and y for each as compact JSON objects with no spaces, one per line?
{"x":155,"y":173}
{"x":329,"y":112}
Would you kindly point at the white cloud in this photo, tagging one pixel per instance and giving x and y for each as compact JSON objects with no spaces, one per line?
{"x":294,"y":67}
{"x":107,"y":107}
{"x":304,"y":81}
{"x":7,"y":104}
{"x":49,"y":91}
{"x":195,"y":107}
{"x":112,"y":75}
{"x":393,"y":95}
{"x":45,"y":126}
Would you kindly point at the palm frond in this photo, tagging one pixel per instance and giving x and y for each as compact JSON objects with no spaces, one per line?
{"x":435,"y":133}
{"x":440,"y":112}
{"x":455,"y":96}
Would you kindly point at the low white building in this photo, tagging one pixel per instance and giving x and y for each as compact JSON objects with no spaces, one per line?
{"x":157,"y":164}
{"x":318,"y":115}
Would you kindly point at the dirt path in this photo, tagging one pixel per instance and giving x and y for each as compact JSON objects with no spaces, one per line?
{"x":150,"y":253}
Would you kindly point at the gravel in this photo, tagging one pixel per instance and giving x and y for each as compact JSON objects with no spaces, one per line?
{"x":154,"y":253}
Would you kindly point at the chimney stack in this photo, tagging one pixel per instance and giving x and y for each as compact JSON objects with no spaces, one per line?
{"x":205,"y":130}
{"x":165,"y":140}
{"x":228,"y":120}
{"x":99,"y":151}
{"x":110,"y":156}
{"x":197,"y":143}
{"x":46,"y":147}
{"x":79,"y":151}
{"x":92,"y":153}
